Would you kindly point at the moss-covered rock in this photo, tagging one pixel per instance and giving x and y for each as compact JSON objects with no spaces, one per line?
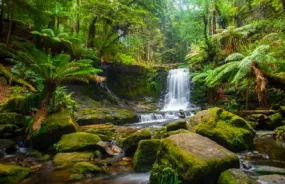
{"x":227,"y":129}
{"x":105,"y":131}
{"x":61,"y":159}
{"x":80,"y":141}
{"x":51,"y":130}
{"x":76,"y":176}
{"x":181,"y":124}
{"x":12,"y":118}
{"x":279,"y":134}
{"x":276,"y":120}
{"x":7,"y":145}
{"x":235,"y":176}
{"x":113,"y":115}
{"x":130,"y":144}
{"x":8,"y":130}
{"x":194,"y":158}
{"x":176,"y":132}
{"x":146,"y":154}
{"x":12,"y":174}
{"x":85,"y":167}
{"x":258,"y":121}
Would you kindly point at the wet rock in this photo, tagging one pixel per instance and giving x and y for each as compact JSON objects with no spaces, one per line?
{"x":35,"y":168}
{"x":7,"y":145}
{"x":194,"y":158}
{"x":227,"y":129}
{"x":246,"y":164}
{"x":116,"y":116}
{"x":63,"y":159}
{"x":269,"y":170}
{"x":52,"y":129}
{"x":85,"y":167}
{"x":181,"y":124}
{"x":130,"y":144}
{"x":80,"y":141}
{"x":235,"y":176}
{"x":271,"y":179}
{"x":12,"y":173}
{"x":146,"y":154}
{"x":106,"y":132}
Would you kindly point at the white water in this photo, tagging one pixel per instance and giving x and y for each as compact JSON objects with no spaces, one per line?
{"x":176,"y":98}
{"x":178,"y":90}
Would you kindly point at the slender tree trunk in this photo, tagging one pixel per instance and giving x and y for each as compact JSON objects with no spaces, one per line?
{"x":57,"y":23}
{"x":246,"y":95}
{"x":2,"y":19}
{"x":43,"y":109}
{"x":92,"y":32}
{"x":283,"y":5}
{"x":261,"y":84}
{"x":10,"y":26}
{"x":78,"y":19}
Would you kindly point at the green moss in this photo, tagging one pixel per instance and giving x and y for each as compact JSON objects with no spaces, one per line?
{"x":85,"y":167}
{"x":8,"y":130}
{"x":44,"y":158}
{"x":182,"y":124}
{"x":235,"y":176}
{"x":276,"y":120}
{"x":176,"y":132}
{"x":225,"y":128}
{"x":71,"y":158}
{"x":130,"y":144}
{"x":12,"y":118}
{"x":197,"y":161}
{"x":76,"y":176}
{"x":80,"y":141}
{"x":51,"y":130}
{"x":116,"y":116}
{"x":7,"y":145}
{"x":104,"y":131}
{"x":12,"y":174}
{"x":279,"y":133}
{"x":145,"y":155}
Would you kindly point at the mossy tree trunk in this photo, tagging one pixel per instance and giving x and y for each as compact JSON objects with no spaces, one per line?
{"x":261,"y":84}
{"x":91,"y":32}
{"x":42,"y":112}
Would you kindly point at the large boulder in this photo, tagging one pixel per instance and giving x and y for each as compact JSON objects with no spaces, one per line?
{"x":63,"y":159}
{"x":12,"y":174}
{"x":276,"y":120}
{"x":146,"y":154}
{"x":279,"y":134}
{"x":227,"y":129}
{"x":116,"y":116}
{"x":181,"y":124}
{"x":235,"y":176}
{"x":51,"y":130}
{"x":194,"y":158}
{"x":106,"y":131}
{"x":80,"y":141}
{"x":130,"y":144}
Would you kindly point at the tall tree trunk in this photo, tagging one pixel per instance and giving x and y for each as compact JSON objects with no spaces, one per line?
{"x":283,"y":5}
{"x":246,"y":95}
{"x":57,"y":23}
{"x":2,"y":19}
{"x":261,"y":84}
{"x":92,"y":32}
{"x":43,"y":109}
{"x":10,"y":26}
{"x":78,"y":19}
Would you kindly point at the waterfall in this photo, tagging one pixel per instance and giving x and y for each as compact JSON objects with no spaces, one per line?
{"x":151,"y":117}
{"x":178,"y":90}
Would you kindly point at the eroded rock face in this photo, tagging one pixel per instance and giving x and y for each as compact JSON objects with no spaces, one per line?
{"x":194,"y":158}
{"x":227,"y":129}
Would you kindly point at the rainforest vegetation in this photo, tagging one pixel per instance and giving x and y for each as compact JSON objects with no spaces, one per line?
{"x":142,"y":91}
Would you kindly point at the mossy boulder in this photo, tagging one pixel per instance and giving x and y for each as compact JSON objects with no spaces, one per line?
{"x":181,"y":124}
{"x":105,"y":131}
{"x":12,"y":174}
{"x":116,"y":116}
{"x":145,"y":155}
{"x":85,"y":167}
{"x":258,"y":121}
{"x":227,"y":129}
{"x":235,"y":176}
{"x":194,"y":158}
{"x":130,"y":144}
{"x":7,"y":145}
{"x":276,"y":120}
{"x":11,"y":124}
{"x":51,"y":130}
{"x":62,"y":159}
{"x":279,"y":134}
{"x":8,"y":130}
{"x":80,"y":141}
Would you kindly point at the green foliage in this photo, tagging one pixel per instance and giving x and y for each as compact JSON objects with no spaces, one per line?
{"x":169,"y":176}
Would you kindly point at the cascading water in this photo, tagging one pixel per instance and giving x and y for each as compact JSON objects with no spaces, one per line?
{"x":178,"y":90}
{"x":177,"y":98}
